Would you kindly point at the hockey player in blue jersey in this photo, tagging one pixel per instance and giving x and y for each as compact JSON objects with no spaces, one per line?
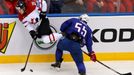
{"x":76,"y":32}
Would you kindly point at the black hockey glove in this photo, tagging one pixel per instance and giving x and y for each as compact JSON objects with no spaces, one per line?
{"x":42,"y":15}
{"x":33,"y":34}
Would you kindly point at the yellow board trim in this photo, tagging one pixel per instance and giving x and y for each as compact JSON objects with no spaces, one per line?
{"x":67,"y":58}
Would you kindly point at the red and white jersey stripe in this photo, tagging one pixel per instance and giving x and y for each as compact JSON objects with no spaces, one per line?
{"x":41,"y":5}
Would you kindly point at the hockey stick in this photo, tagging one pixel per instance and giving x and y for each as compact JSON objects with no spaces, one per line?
{"x":27,"y":57}
{"x":108,"y":66}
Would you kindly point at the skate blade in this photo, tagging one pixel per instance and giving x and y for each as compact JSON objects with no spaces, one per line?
{"x":56,"y":68}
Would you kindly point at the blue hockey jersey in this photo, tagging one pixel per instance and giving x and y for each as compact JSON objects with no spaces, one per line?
{"x":79,"y":27}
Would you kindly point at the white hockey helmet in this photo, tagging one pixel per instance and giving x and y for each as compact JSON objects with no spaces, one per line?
{"x":84,"y":17}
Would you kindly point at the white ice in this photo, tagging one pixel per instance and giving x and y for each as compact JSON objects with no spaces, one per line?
{"x":68,"y":68}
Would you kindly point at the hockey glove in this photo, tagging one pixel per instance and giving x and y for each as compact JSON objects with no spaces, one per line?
{"x":42,"y":15}
{"x":92,"y":56}
{"x":33,"y":34}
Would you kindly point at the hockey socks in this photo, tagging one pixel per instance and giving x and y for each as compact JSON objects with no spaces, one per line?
{"x":51,"y":38}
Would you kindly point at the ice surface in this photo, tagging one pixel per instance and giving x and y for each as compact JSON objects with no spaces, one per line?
{"x":67,"y":68}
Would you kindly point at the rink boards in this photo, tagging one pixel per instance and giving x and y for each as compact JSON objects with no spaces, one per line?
{"x":112,"y":39}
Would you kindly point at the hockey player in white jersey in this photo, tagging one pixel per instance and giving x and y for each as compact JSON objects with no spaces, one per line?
{"x":30,"y":12}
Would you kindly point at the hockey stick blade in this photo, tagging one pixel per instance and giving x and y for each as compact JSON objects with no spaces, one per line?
{"x":127,"y":73}
{"x":22,"y":69}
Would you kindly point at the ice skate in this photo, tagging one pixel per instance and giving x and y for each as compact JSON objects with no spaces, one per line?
{"x":57,"y":65}
{"x":82,"y":73}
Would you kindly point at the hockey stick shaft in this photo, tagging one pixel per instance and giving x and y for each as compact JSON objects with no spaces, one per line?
{"x":28,"y":56}
{"x":113,"y":69}
{"x":103,"y":64}
{"x":108,"y":67}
